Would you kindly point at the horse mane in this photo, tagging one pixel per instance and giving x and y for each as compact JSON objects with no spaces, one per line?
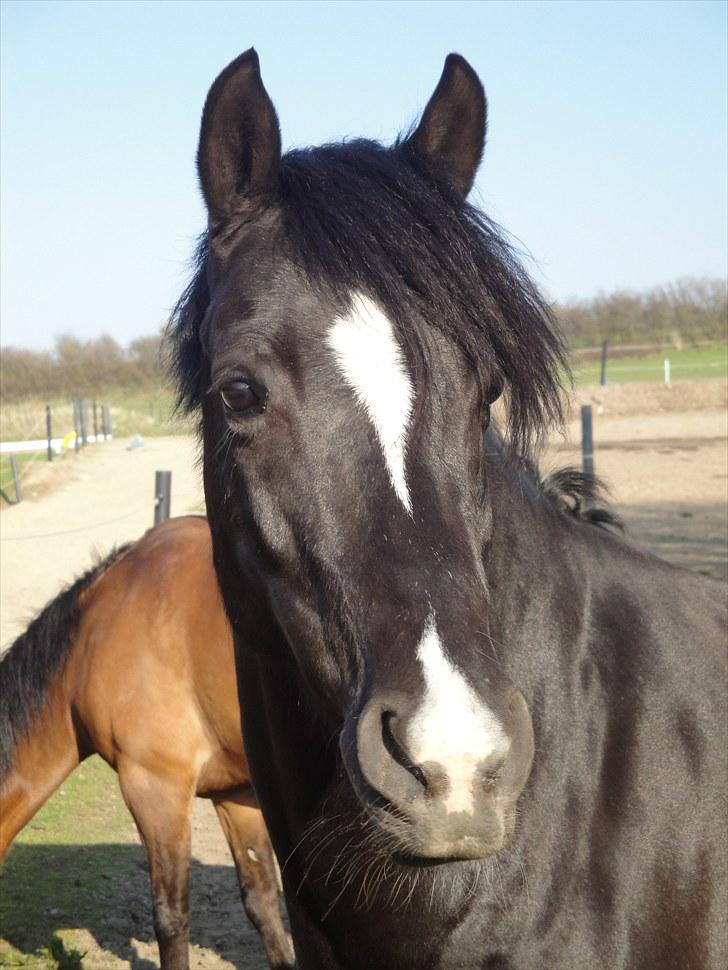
{"x":359,"y":217}
{"x":580,"y":495}
{"x":36,"y":657}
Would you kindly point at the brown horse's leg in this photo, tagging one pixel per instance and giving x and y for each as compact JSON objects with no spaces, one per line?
{"x":41,"y":762}
{"x":161,"y":810}
{"x":244,"y":828}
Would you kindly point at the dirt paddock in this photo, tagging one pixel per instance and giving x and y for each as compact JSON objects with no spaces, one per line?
{"x":662,"y":452}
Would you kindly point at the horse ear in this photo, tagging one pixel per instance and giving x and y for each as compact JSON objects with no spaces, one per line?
{"x":239,"y":154}
{"x":451,"y":132}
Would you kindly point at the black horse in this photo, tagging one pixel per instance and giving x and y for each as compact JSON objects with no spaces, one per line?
{"x":483,"y":731}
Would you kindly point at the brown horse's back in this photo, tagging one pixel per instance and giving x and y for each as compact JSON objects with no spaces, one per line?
{"x":154,"y":669}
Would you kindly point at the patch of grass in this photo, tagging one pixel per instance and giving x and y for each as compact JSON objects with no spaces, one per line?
{"x":7,"y":482}
{"x":54,"y":956}
{"x":147,"y":412}
{"x":88,"y":807}
{"x":693,"y":364}
{"x":67,"y":959}
{"x":83,"y":838}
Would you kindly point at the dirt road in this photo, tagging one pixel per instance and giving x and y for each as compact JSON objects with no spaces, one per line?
{"x":80,"y":507}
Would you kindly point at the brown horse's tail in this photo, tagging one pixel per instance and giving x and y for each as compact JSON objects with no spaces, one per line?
{"x":35,"y":659}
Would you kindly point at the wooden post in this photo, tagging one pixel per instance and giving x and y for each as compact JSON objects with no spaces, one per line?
{"x":603,"y":374}
{"x":16,"y":478}
{"x":587,"y":440}
{"x":162,"y":496}
{"x":49,"y":432}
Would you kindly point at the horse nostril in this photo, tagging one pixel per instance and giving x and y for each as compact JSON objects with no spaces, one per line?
{"x":397,"y":752}
{"x":491,"y":774}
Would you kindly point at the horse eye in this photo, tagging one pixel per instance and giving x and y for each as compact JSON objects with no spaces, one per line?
{"x":239,"y":397}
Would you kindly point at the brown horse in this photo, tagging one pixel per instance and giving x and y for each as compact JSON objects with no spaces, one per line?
{"x":134,"y":662}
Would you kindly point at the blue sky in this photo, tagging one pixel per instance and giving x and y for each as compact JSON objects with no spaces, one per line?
{"x":606,"y":153}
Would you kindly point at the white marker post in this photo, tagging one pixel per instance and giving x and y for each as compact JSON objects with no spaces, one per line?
{"x":667,"y":372}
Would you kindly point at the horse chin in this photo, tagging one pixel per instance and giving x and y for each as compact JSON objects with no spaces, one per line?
{"x":417,"y":843}
{"x":413,"y":840}
{"x":418,"y":831}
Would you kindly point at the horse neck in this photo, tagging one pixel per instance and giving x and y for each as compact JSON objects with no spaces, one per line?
{"x":289,"y":758}
{"x":537,"y":563}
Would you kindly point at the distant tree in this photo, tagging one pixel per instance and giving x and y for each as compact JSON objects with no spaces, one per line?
{"x":145,"y":360}
{"x":84,"y":367}
{"x":686,"y":311}
{"x":25,"y":373}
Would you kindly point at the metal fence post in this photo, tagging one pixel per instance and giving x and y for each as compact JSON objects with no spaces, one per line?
{"x":49,"y":432}
{"x":587,"y":440}
{"x":162,"y":496}
{"x":76,"y":425}
{"x":603,"y":374}
{"x":83,"y":409}
{"x":16,"y":478}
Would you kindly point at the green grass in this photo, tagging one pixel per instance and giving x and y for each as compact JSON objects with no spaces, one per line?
{"x":88,"y":807}
{"x":81,"y":845}
{"x":149,"y":413}
{"x":54,"y":956}
{"x":7,"y":483}
{"x":693,"y":364}
{"x":146,"y":412}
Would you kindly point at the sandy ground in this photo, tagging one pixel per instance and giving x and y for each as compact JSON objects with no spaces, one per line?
{"x":73,"y":512}
{"x":81,"y":507}
{"x":662,"y":451}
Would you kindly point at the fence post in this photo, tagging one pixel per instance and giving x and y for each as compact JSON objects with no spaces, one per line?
{"x":162,"y":496}
{"x":83,"y":412}
{"x":96,"y":426}
{"x":667,"y":371}
{"x":587,"y":440}
{"x":16,"y":478}
{"x":49,"y":432}
{"x":109,"y":424}
{"x":76,"y":426}
{"x":603,"y":374}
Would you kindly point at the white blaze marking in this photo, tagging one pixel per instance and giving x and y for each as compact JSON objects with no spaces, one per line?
{"x":452,"y":726}
{"x":373,"y":365}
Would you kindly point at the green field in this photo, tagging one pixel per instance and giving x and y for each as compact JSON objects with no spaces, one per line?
{"x":147,"y":413}
{"x":690,"y":364}
{"x":151,"y":412}
{"x":23,"y":463}
{"x":68,"y":868}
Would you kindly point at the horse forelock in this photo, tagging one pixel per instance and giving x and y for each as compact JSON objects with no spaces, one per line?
{"x":359,"y":218}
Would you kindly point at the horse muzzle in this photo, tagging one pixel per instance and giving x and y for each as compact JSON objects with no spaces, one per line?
{"x":440,"y":790}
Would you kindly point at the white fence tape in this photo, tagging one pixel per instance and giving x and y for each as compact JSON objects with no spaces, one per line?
{"x":57,"y":444}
